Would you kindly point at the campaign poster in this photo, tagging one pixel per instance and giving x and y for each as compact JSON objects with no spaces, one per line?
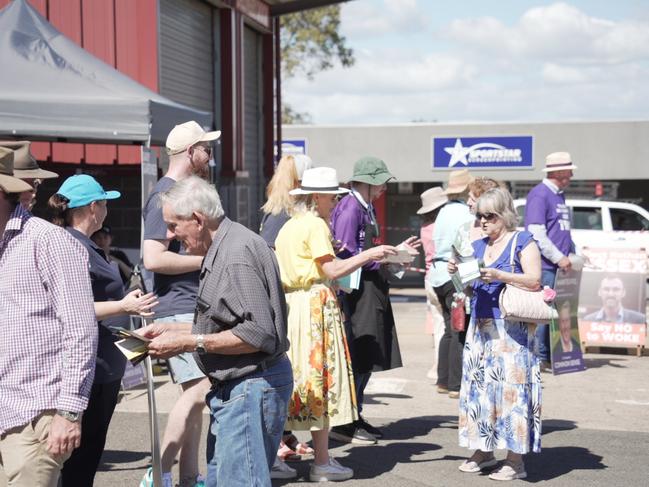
{"x":565,"y":345}
{"x":612,"y":306}
{"x":134,"y":376}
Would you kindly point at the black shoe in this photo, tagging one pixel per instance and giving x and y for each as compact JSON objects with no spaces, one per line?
{"x":351,"y":433}
{"x":373,"y":430}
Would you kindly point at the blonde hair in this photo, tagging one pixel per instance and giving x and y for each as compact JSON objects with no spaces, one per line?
{"x":284,"y":180}
{"x":479,"y":185}
{"x":500,"y":202}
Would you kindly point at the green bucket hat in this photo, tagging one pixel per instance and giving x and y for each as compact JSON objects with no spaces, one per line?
{"x":371,"y":170}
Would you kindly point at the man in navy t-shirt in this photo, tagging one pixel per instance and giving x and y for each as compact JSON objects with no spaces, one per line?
{"x":547,"y":218}
{"x":175,"y":282}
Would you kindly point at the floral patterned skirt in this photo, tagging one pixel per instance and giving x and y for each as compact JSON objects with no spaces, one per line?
{"x":323,"y":394}
{"x":500,"y":395}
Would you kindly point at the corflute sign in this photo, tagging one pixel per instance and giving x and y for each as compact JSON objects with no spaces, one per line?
{"x":483,"y":152}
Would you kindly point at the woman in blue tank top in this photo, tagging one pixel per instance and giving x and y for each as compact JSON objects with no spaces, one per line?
{"x":500,"y":395}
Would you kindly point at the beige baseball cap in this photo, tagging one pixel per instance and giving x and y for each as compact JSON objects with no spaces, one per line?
{"x":187,"y":134}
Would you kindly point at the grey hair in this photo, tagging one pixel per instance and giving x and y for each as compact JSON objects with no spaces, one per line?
{"x":193,"y":194}
{"x":500,"y":202}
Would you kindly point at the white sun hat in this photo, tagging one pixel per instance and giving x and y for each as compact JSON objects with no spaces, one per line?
{"x":319,"y":180}
{"x":558,"y":161}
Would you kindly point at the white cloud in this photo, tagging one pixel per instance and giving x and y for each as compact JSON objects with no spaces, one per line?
{"x":364,"y":19}
{"x":557,"y":31}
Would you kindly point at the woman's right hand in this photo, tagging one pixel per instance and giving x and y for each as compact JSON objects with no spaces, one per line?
{"x":451,"y":266}
{"x":137,"y":303}
{"x":381,"y":252}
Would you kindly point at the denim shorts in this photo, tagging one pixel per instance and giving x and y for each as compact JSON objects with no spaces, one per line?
{"x":183,"y":367}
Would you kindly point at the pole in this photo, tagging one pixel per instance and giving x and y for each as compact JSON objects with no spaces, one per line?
{"x":156,"y":466}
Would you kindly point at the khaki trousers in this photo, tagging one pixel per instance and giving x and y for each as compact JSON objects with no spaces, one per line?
{"x":24,"y":455}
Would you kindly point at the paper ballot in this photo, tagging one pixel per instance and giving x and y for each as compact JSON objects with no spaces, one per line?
{"x":133,"y":346}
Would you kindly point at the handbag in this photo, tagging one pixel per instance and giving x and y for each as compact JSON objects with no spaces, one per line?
{"x":518,"y":304}
{"x":458,"y":313}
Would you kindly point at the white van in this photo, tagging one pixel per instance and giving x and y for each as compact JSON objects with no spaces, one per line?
{"x":610,"y":224}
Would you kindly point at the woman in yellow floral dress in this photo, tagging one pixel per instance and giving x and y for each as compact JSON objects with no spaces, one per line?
{"x":323,"y":395}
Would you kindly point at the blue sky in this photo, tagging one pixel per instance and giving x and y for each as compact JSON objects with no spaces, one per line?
{"x":485,"y":61}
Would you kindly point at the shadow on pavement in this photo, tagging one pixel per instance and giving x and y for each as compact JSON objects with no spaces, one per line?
{"x":552,"y":425}
{"x":558,"y":461}
{"x":596,"y":363}
{"x":113,"y":457}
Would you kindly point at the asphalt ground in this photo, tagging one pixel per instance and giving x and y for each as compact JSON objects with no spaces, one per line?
{"x":595,"y":425}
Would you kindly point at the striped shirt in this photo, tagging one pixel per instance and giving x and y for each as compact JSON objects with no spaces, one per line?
{"x":48,"y":332}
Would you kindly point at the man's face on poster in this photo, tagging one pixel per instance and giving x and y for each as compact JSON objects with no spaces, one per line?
{"x":564,"y":324}
{"x":611,"y":292}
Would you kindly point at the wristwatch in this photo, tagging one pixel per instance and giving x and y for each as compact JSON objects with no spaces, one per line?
{"x":200,"y":344}
{"x":69,"y":415}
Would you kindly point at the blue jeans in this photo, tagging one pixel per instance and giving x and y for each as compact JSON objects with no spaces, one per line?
{"x":247,"y":417}
{"x":543,"y":331}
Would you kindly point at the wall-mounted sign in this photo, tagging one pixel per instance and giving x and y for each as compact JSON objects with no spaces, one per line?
{"x":293,"y":147}
{"x":513,"y":152}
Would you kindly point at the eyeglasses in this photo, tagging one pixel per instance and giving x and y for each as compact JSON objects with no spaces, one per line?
{"x":486,"y":216}
{"x":206,"y":148}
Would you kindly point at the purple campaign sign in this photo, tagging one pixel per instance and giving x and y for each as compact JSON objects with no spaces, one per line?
{"x":483,"y":152}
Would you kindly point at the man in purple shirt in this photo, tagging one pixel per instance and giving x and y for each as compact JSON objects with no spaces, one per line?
{"x":48,"y":339}
{"x":369,"y":322}
{"x":547,"y":218}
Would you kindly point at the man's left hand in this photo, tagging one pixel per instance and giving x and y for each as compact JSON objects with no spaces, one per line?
{"x":411,"y":244}
{"x":170,"y":344}
{"x":64,"y":436}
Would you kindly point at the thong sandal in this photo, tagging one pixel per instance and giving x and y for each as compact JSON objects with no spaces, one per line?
{"x":287,"y":454}
{"x":301,"y":449}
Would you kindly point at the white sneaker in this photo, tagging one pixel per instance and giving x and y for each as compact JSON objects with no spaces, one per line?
{"x":331,"y":472}
{"x":281,"y":470}
{"x":147,"y":480}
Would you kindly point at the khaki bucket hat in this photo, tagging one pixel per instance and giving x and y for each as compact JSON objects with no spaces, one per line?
{"x":9,"y":183}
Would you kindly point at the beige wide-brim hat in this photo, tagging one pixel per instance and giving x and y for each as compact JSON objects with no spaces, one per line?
{"x":458,"y":181}
{"x":558,"y":161}
{"x":431,"y":199}
{"x":9,"y":183}
{"x":319,"y":180}
{"x":25,"y":165}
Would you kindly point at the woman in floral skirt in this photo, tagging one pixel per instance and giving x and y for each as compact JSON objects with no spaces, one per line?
{"x":500,"y":395}
{"x":323,"y":394}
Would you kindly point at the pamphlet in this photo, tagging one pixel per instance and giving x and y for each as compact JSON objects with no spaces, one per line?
{"x":402,"y":257}
{"x":350,"y":282}
{"x":468,"y":270}
{"x":133,"y":346}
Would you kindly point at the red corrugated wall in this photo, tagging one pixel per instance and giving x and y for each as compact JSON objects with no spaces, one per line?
{"x":123,"y":33}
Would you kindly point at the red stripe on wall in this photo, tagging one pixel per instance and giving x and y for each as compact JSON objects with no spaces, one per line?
{"x":65,"y":15}
{"x":98,"y":28}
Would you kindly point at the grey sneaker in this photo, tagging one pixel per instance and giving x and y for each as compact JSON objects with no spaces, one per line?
{"x":352,"y":433}
{"x":333,"y":471}
{"x":282,"y":471}
{"x":509,"y":471}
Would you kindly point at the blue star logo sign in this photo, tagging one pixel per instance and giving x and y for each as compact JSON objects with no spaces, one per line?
{"x":482,"y":152}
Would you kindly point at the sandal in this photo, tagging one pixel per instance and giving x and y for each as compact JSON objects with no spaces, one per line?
{"x":286,"y":453}
{"x":303,"y":450}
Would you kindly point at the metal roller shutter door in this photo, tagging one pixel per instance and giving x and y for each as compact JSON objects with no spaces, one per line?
{"x":187,"y":53}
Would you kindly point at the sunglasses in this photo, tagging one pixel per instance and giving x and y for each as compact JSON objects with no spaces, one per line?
{"x":206,"y":149}
{"x":486,"y":216}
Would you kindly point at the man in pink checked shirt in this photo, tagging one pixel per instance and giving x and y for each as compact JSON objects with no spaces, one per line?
{"x":48,"y":339}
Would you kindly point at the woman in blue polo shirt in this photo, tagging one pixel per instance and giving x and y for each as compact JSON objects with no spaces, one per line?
{"x":80,"y":206}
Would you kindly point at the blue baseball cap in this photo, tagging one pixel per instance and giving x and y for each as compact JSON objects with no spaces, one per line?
{"x":81,"y":190}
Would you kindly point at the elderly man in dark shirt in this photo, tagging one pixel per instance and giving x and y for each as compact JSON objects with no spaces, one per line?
{"x":238,"y":336}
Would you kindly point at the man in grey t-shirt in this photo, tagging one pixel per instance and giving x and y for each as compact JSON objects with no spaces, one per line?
{"x":175,"y":281}
{"x":238,"y":335}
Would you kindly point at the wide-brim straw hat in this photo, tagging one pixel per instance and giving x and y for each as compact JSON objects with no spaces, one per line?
{"x":25,"y":165}
{"x":8,"y":182}
{"x":458,"y":181}
{"x":319,"y":180}
{"x":558,"y":161}
{"x":431,"y":199}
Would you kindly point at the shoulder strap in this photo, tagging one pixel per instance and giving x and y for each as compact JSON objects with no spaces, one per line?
{"x":513,"y":251}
